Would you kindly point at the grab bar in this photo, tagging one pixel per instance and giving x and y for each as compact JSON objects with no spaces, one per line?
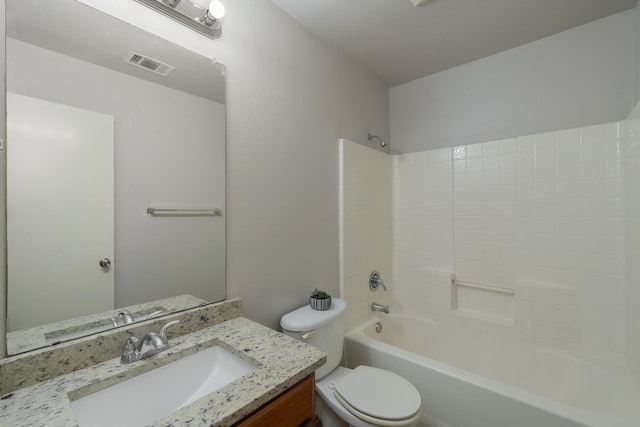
{"x":489,"y":288}
{"x":184,"y":211}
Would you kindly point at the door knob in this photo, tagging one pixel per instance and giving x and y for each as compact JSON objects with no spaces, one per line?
{"x":105,"y":263}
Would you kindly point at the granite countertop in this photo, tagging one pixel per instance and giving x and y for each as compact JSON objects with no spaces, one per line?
{"x":281,"y":362}
{"x":44,"y":335}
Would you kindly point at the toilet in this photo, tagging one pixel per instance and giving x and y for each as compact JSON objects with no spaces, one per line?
{"x":361,"y":397}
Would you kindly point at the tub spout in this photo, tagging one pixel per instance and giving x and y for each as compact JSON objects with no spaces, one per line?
{"x":379,"y":307}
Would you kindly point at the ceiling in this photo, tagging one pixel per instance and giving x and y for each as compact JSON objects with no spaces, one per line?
{"x":400,"y":42}
{"x":74,"y":29}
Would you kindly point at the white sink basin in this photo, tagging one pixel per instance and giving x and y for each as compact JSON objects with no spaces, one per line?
{"x":148,"y":397}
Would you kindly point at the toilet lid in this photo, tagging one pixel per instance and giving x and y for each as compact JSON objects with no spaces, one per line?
{"x":379,"y":393}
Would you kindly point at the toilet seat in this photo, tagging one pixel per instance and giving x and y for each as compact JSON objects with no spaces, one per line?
{"x":379,"y":397}
{"x":379,"y":421}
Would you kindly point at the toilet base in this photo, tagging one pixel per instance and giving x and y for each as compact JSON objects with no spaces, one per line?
{"x":324,"y":391}
{"x":326,"y":414}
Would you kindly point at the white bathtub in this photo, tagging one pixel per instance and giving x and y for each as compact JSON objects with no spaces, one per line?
{"x":495,"y":378}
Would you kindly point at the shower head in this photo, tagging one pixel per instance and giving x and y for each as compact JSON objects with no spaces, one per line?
{"x":382,"y":143}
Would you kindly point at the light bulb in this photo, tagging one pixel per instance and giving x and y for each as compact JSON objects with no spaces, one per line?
{"x":216,"y":10}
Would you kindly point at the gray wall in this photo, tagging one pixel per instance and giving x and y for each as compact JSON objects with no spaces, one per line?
{"x":289,"y":99}
{"x":579,"y":77}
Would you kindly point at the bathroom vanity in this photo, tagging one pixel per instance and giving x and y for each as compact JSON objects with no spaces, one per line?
{"x":295,"y":407}
{"x":37,"y":388}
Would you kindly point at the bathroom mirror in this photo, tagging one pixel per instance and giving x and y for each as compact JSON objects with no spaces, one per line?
{"x":115,"y":174}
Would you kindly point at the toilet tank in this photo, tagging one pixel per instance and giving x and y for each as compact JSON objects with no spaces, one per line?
{"x":321,"y":329}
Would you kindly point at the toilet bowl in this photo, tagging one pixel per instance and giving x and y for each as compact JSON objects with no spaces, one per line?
{"x":362,"y":397}
{"x":396,"y":405}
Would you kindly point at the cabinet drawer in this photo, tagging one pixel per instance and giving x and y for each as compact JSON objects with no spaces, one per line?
{"x":291,"y":409}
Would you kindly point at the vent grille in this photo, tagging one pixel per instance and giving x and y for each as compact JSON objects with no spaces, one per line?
{"x":149,"y":64}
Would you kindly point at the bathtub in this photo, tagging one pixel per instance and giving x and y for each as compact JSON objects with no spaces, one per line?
{"x":491,"y":377}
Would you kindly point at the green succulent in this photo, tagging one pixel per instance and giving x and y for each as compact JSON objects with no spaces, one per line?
{"x":319,"y":294}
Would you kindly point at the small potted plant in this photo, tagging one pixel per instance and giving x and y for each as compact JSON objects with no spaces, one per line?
{"x":320,"y":300}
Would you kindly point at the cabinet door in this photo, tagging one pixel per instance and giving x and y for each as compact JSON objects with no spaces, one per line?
{"x":293,"y":408}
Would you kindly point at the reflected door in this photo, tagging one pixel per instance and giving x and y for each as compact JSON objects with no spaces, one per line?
{"x":60,"y":212}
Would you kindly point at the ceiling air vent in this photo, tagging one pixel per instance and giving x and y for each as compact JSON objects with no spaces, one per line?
{"x":148,"y":64}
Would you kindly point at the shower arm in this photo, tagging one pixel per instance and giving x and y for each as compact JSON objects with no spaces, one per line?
{"x":382,"y":143}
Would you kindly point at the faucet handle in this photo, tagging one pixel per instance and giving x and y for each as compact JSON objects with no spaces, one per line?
{"x":130,"y":350}
{"x":375,"y":280}
{"x":163,"y":331}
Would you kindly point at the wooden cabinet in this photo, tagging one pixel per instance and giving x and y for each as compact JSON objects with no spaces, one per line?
{"x":293,"y":408}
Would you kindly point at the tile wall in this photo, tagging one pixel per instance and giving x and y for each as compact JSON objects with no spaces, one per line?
{"x":543,"y":215}
{"x":484,"y":212}
{"x":571,"y":232}
{"x":422,"y":231}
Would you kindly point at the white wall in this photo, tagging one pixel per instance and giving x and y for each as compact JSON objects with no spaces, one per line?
{"x":162,"y":155}
{"x":365,"y":228}
{"x":575,"y":78}
{"x":289,"y":99}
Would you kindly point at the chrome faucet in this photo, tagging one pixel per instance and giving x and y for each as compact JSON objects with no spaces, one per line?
{"x":379,"y":307}
{"x":151,"y":344}
{"x":154,"y":314}
{"x":375,"y":280}
{"x":126,"y":317}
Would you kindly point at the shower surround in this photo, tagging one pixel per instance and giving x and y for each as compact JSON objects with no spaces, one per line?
{"x":542,"y":215}
{"x":533,"y":236}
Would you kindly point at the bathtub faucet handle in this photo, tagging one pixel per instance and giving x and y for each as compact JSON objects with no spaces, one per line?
{"x":375,"y":280}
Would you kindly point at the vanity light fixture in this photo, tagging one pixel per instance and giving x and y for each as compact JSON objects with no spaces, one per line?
{"x":202,"y":16}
